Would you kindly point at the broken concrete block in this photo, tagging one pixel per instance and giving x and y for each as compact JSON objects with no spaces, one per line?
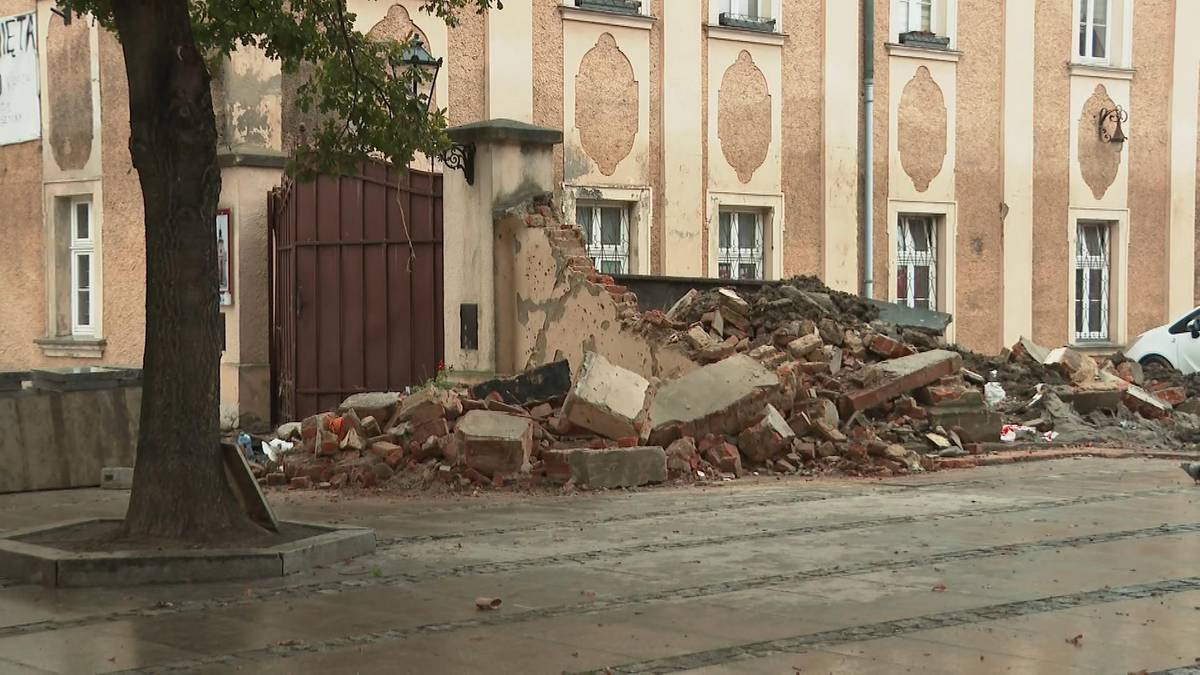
{"x":682,"y":305}
{"x":803,"y":346}
{"x":973,"y":424}
{"x":607,"y":468}
{"x":1075,"y":366}
{"x":493,"y":442}
{"x":353,"y":440}
{"x":422,"y":406}
{"x":1098,"y":396}
{"x":719,"y":351}
{"x":700,"y":339}
{"x":724,"y":456}
{"x":820,"y":409}
{"x":827,"y":432}
{"x":289,"y":431}
{"x":381,"y":449}
{"x":682,"y":456}
{"x":370,"y":427}
{"x":724,"y":397}
{"x":1144,"y":403}
{"x":1028,"y":349}
{"x":537,"y":385}
{"x":437,"y":427}
{"x":767,"y":440}
{"x":378,"y":404}
{"x":889,"y":379}
{"x":606,"y":399}
{"x":1131,"y":372}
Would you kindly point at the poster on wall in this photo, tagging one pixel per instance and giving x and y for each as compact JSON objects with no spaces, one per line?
{"x":20,"y":110}
{"x":225,"y":281}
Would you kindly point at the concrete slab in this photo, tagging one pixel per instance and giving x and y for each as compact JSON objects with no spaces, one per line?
{"x":606,"y":399}
{"x":889,"y":379}
{"x":607,"y":468}
{"x":724,"y":397}
{"x":494,"y":442}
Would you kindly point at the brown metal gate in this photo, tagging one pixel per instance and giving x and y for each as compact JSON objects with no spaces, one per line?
{"x":356,"y":279}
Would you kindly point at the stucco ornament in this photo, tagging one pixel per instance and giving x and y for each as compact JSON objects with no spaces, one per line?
{"x":922,"y":132}
{"x":744,"y":116}
{"x":69,"y":88}
{"x":1098,"y":159}
{"x":606,"y":104}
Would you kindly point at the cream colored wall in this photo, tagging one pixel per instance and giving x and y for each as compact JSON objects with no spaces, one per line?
{"x":1018,"y":118}
{"x":684,"y":250}
{"x":1181,"y":238}
{"x":510,"y":62}
{"x":841,"y":145}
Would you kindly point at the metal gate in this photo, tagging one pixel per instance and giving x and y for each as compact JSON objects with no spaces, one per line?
{"x":356,"y":286}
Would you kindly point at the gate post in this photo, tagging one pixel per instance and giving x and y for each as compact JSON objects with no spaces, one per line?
{"x":513,"y":162}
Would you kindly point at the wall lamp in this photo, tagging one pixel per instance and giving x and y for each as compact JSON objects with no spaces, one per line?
{"x":1116,"y":117}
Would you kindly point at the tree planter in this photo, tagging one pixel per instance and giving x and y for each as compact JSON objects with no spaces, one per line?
{"x":747,"y":23}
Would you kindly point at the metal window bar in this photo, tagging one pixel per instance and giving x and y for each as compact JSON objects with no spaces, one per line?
{"x":1091,"y":301}
{"x":734,"y":259}
{"x":916,"y":255}
{"x":609,"y":257}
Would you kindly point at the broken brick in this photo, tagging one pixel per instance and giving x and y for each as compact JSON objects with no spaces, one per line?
{"x":890,"y":379}
{"x":768,"y":439}
{"x":494,"y":442}
{"x":606,"y":399}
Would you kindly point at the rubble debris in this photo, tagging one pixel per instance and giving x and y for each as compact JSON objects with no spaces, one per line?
{"x":889,"y":379}
{"x":380,"y":405}
{"x":767,"y":440}
{"x":488,"y":604}
{"x":606,"y":399}
{"x":537,"y":385}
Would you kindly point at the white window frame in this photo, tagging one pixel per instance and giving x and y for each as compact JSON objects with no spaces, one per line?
{"x":1085,"y":19}
{"x":747,"y":8}
{"x":912,"y":15}
{"x":765,"y":10}
{"x":734,"y":255}
{"x":908,"y":258}
{"x":80,"y":247}
{"x":597,"y":251}
{"x":1085,"y":261}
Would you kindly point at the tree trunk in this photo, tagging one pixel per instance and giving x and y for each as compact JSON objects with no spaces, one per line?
{"x":179,"y":486}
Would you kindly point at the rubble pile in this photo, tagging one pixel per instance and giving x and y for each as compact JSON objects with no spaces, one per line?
{"x":792,"y":379}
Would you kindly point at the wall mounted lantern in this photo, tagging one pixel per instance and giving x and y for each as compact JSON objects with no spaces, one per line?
{"x":457,"y":156}
{"x":1113,"y":117}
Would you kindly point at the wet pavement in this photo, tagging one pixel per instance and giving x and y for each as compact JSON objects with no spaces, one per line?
{"x":1071,"y":566}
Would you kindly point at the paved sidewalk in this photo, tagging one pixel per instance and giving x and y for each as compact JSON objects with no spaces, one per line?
{"x":992,"y":570}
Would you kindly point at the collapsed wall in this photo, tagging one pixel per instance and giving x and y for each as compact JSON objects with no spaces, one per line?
{"x":552,"y":303}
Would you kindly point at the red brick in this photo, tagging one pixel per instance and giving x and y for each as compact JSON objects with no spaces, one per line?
{"x":339,"y":481}
{"x":884,"y":346}
{"x":627,"y":442}
{"x":957,"y":463}
{"x":900,"y":376}
{"x":435,"y":427}
{"x":1172,"y":395}
{"x":277,"y":478}
{"x":394,"y":458}
{"x":301,"y":483}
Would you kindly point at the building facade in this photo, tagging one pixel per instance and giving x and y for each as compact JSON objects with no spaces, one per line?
{"x":700,"y":138}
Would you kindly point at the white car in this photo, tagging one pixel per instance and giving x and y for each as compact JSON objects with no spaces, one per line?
{"x":1176,"y":344}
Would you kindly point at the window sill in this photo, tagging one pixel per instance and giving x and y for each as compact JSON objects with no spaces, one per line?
{"x":72,"y":347}
{"x":927,"y":53}
{"x":1098,"y":69}
{"x":719,"y":32}
{"x":606,"y":17}
{"x":1095,"y":346}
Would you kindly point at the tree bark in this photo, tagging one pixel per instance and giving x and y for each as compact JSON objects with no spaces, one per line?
{"x":179,"y":487}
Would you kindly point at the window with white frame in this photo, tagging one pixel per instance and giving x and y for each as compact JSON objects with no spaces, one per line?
{"x":740,"y":245}
{"x":83,"y":265}
{"x":1095,"y":17}
{"x":760,"y":15}
{"x":745,"y":8}
{"x":916,"y":16}
{"x":606,"y":235}
{"x":1091,"y":280}
{"x":916,"y":262}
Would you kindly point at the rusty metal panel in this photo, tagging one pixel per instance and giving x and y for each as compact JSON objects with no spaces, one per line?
{"x":356,"y":274}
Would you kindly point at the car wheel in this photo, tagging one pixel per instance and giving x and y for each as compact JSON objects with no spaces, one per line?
{"x":1157,"y":362}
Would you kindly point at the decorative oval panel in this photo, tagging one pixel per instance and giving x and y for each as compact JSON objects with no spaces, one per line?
{"x":922,"y":129}
{"x":1098,"y":159}
{"x":398,"y":26}
{"x":606,"y":104}
{"x":744,"y":116}
{"x":69,"y":88}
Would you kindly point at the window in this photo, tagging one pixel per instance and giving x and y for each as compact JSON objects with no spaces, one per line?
{"x":1091,"y":281}
{"x":83,"y":262}
{"x":747,"y":14}
{"x":1094,"y":20}
{"x":916,"y":258}
{"x":605,"y":235}
{"x":746,"y":9}
{"x":740,"y":245}
{"x":916,"y":16}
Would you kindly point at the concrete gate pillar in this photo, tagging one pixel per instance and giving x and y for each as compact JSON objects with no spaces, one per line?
{"x":513,"y":161}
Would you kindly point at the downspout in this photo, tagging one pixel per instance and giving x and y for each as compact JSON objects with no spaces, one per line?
{"x":868,"y":57}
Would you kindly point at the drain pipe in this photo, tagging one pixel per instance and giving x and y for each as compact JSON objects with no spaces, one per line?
{"x":868,"y":57}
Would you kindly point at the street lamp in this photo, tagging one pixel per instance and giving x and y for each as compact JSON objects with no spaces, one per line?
{"x":416,"y":56}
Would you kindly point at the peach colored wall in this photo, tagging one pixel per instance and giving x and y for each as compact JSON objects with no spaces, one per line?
{"x":22,"y":276}
{"x":1051,"y":182}
{"x":1149,"y":162}
{"x":124,"y":239}
{"x":655,"y":174}
{"x":804,"y":238}
{"x":548,"y":73}
{"x":466,"y":69}
{"x":882,"y":143}
{"x":979,"y":178}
